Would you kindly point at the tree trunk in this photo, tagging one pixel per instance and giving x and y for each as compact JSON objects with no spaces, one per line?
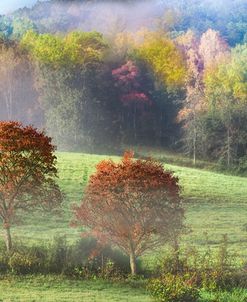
{"x":134,"y":122}
{"x":194,"y":147}
{"x":228,"y":147}
{"x":133,"y":263}
{"x":194,"y":139}
{"x":160,"y":129}
{"x":194,"y":152}
{"x":8,"y":239}
{"x":176,"y":255}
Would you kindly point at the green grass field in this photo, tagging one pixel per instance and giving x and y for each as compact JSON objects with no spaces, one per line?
{"x":59,"y":289}
{"x":217,"y":204}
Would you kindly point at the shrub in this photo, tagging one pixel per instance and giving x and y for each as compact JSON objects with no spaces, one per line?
{"x":88,"y":260}
{"x":3,"y":262}
{"x":242,"y":166}
{"x":172,"y":263}
{"x":109,"y":270}
{"x":173,"y":288}
{"x":57,"y":256}
{"x":121,"y":261}
{"x":84,"y":259}
{"x":23,"y":263}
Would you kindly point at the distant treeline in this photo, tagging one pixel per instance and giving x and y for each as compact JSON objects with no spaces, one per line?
{"x":159,"y":85}
{"x":177,"y":16}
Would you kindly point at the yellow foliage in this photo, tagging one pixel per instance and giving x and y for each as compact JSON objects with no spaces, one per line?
{"x":164,"y":58}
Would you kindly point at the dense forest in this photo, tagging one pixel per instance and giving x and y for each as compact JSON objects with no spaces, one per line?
{"x":104,"y":75}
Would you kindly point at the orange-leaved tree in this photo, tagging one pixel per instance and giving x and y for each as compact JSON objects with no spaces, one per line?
{"x":27,"y":173}
{"x":134,"y":205}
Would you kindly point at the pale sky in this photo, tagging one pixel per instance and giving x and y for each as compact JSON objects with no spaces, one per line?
{"x":10,"y":5}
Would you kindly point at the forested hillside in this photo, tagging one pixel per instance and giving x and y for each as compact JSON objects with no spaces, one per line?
{"x":102,"y":75}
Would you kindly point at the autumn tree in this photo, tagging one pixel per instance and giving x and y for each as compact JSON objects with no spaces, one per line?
{"x":193,"y":104}
{"x":134,"y":205}
{"x":201,"y":55}
{"x":27,"y":173}
{"x":212,"y":47}
{"x":128,"y":80}
{"x":226,"y":92}
{"x":164,"y":58}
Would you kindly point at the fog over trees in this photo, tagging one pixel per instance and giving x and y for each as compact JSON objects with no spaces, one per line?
{"x":102,"y":75}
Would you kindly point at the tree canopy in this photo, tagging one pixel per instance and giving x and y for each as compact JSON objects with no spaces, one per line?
{"x":134,"y":204}
{"x":28,"y":172}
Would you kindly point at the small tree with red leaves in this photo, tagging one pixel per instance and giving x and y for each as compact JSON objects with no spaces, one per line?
{"x":134,"y":205}
{"x":27,"y":171}
{"x":128,"y":79}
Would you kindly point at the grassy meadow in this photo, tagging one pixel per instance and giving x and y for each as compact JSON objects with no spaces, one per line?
{"x":217,"y":205}
{"x":59,"y":289}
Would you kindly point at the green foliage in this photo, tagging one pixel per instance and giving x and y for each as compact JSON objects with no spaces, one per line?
{"x":6,"y":28}
{"x":228,"y":79}
{"x":21,"y":26}
{"x":83,"y":105}
{"x":66,"y":70}
{"x":57,"y":258}
{"x":173,"y":288}
{"x":208,"y":269}
{"x":73,"y":50}
{"x":242,"y":166}
{"x":164,"y":59}
{"x":84,"y":259}
{"x":228,"y":17}
{"x":226,"y":92}
{"x":4,"y":266}
{"x":235,"y":295}
{"x":46,"y":48}
{"x":85,"y":48}
{"x":238,"y":70}
{"x":23,"y":262}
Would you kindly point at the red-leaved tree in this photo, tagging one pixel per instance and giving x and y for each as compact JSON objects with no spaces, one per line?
{"x":134,"y":205}
{"x":128,"y":80}
{"x":27,"y":172}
